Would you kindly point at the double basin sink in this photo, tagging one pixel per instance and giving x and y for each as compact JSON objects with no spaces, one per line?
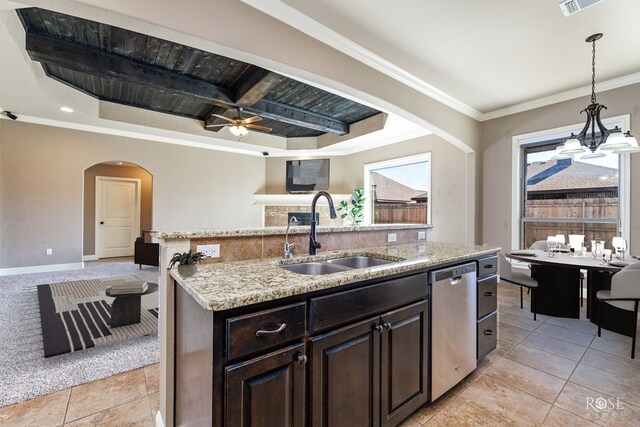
{"x":335,"y":265}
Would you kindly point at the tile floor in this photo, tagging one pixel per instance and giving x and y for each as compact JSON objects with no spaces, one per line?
{"x":542,"y":373}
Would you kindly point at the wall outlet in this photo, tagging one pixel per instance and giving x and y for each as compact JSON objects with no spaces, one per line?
{"x":392,"y":237}
{"x":49,"y":251}
{"x":210,"y":251}
{"x":422,"y":235}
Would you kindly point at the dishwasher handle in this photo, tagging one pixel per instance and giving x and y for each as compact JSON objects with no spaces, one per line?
{"x":455,"y":280}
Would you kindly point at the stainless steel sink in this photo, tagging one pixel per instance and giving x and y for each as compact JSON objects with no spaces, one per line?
{"x":336,"y":265}
{"x":359,"y":261}
{"x":314,"y":268}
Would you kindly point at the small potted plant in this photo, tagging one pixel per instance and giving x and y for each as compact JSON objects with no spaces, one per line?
{"x":353,"y":214}
{"x":186,"y":262}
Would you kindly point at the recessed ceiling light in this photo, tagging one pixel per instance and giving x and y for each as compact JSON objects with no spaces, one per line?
{"x":66,"y":109}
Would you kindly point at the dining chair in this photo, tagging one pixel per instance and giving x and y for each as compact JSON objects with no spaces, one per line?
{"x":508,"y":275}
{"x":539,"y":245}
{"x":624,"y":294}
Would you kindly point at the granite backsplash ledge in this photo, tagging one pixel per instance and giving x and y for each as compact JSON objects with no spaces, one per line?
{"x":268,"y":242}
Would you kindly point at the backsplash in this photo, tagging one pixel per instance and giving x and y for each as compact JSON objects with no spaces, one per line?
{"x":278,"y":215}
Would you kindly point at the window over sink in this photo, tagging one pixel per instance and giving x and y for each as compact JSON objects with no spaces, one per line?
{"x":398,"y":191}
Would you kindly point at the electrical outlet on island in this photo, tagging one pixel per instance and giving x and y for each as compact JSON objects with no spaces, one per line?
{"x":392,"y":237}
{"x":210,"y":251}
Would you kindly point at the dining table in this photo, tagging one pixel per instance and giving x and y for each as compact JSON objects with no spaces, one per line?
{"x":558,"y":292}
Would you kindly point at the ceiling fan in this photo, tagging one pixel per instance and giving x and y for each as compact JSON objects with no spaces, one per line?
{"x":239,"y":126}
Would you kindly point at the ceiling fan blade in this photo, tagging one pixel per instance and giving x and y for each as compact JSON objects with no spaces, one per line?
{"x":252,"y":119}
{"x":218,"y":125}
{"x":258,"y":127}
{"x":222,"y":117}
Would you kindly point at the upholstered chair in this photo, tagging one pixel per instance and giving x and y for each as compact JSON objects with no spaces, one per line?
{"x":508,"y":275}
{"x":625,"y":295}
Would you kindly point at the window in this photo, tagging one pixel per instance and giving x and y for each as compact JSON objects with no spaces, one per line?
{"x":567,"y":196}
{"x":398,"y":191}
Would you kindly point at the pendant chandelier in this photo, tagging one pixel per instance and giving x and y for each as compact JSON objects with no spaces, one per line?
{"x":608,"y":141}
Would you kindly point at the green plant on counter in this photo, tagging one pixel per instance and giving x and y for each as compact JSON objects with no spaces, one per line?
{"x":186,"y":258}
{"x":354,"y":213}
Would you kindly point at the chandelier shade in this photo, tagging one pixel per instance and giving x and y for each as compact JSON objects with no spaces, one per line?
{"x":595,"y":140}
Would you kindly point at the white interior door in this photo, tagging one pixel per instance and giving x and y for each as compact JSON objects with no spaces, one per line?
{"x":117,"y":216}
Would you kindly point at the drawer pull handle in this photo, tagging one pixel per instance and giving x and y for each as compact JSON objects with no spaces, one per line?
{"x":263,"y":333}
{"x":488,"y":266}
{"x":488,"y":294}
{"x":488,"y":332}
{"x":302,"y":359}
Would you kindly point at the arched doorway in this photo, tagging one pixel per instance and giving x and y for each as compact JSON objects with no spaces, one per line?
{"x":117,"y":208}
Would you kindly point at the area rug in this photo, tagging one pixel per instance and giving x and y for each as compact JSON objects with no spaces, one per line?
{"x":76,"y":316}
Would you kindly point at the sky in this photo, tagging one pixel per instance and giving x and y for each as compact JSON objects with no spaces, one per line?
{"x":414,"y":175}
{"x":610,"y":160}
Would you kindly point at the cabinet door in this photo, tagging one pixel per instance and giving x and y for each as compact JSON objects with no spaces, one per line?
{"x":267,"y":391}
{"x":345,"y":376}
{"x":404,"y":362}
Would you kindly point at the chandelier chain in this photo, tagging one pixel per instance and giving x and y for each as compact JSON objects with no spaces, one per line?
{"x":593,"y":73}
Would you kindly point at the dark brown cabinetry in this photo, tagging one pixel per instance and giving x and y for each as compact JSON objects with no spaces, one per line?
{"x":487,"y":305}
{"x":373,"y":372}
{"x":268,"y":391}
{"x":353,"y":356}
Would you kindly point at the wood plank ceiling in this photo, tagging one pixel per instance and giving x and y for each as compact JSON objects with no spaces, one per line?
{"x":130,"y":68}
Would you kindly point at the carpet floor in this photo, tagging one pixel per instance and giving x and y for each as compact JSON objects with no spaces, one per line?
{"x":25,"y":373}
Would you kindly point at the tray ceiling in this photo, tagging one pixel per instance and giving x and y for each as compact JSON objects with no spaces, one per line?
{"x":134,"y":69}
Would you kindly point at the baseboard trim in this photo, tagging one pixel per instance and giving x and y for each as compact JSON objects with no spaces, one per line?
{"x":93,"y":257}
{"x":159,"y":422}
{"x":40,"y":268}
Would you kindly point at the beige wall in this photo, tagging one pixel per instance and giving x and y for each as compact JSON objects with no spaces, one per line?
{"x":41,"y":179}
{"x":452,"y":181}
{"x":497,"y":151}
{"x":124,"y":171}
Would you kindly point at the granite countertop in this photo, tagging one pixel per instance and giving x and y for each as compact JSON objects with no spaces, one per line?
{"x":235,"y":284}
{"x":266,"y":231}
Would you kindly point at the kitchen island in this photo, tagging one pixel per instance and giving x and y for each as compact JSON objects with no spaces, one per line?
{"x":256,"y":341}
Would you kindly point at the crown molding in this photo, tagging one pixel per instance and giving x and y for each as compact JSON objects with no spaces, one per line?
{"x":303,"y":23}
{"x":562,"y":96}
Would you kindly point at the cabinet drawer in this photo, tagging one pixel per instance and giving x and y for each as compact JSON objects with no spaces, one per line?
{"x":487,"y":335}
{"x":487,"y":266}
{"x":254,"y":332}
{"x":487,"y":296}
{"x":343,"y":307}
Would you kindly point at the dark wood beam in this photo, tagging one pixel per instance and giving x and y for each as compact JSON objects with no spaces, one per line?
{"x":255,"y":87}
{"x":297,"y":116}
{"x":92,"y":61}
{"x":88,"y":60}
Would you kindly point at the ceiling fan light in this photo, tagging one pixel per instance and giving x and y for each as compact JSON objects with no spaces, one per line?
{"x":238,"y":130}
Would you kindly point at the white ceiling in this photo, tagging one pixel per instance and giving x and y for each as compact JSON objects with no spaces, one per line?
{"x":484,"y":55}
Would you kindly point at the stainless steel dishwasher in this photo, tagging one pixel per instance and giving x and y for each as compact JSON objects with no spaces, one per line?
{"x":453,"y":323}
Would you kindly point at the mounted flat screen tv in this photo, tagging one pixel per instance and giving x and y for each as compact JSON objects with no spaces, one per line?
{"x":304,"y":176}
